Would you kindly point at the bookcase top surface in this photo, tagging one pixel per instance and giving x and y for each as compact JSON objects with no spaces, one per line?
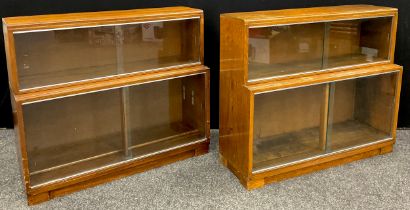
{"x":312,"y":14}
{"x":95,"y":18}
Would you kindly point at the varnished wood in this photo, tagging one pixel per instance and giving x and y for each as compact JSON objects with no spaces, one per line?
{"x":386,"y":150}
{"x":38,"y":198}
{"x":287,"y":149}
{"x":397,"y":104}
{"x":298,"y":116}
{"x":323,"y":78}
{"x":324,"y":115}
{"x":234,"y":121}
{"x":262,"y":179}
{"x":108,"y":84}
{"x":189,"y":119}
{"x":11,"y":59}
{"x":393,"y":36}
{"x":315,"y":14}
{"x":41,"y":194}
{"x":21,"y":142}
{"x":304,"y":171}
{"x":293,"y":17}
{"x":53,"y":21}
{"x":345,"y":108}
{"x":91,"y":19}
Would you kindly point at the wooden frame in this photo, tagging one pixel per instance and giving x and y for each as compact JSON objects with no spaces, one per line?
{"x":237,"y":93}
{"x":89,"y":19}
{"x":249,"y":20}
{"x":59,"y":187}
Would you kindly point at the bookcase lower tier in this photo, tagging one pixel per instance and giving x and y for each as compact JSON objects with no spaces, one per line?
{"x":304,"y":122}
{"x":72,"y":142}
{"x":297,"y":130}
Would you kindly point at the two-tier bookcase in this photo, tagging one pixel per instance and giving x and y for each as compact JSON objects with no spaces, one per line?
{"x":306,"y":89}
{"x":98,"y":96}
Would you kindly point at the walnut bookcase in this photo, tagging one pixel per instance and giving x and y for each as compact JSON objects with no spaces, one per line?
{"x":98,"y":96}
{"x":306,"y":89}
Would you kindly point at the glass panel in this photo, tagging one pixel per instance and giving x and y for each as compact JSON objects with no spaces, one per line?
{"x":52,"y":57}
{"x":361,"y":41}
{"x":75,"y":134}
{"x":363,"y":111}
{"x":166,"y":114}
{"x":291,"y":49}
{"x":71,"y":135}
{"x":287,"y":126}
{"x":160,"y":44}
{"x":61,"y":56}
{"x":282,"y":50}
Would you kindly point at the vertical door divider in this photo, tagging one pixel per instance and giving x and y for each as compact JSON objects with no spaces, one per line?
{"x":325,"y":54}
{"x":329,"y":121}
{"x":125,"y":94}
{"x":324,"y":115}
{"x":327,"y":103}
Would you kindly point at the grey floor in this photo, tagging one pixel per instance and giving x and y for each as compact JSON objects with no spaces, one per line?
{"x":382,"y":182}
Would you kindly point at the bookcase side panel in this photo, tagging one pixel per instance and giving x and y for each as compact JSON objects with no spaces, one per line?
{"x":235,"y":122}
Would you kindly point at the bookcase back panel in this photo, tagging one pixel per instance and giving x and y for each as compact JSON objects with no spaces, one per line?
{"x":61,"y":56}
{"x":299,"y":48}
{"x":71,"y":135}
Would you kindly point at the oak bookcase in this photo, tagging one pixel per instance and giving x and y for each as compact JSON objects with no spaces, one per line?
{"x":101,"y":95}
{"x":306,"y":89}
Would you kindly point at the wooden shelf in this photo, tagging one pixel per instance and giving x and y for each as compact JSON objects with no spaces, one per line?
{"x":166,"y":143}
{"x":95,"y":72}
{"x":296,"y":146}
{"x":260,"y":71}
{"x":354,"y":133}
{"x":285,"y":148}
{"x":59,"y":162}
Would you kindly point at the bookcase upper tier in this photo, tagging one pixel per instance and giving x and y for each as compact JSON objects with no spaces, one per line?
{"x":49,"y":51}
{"x":284,"y":43}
